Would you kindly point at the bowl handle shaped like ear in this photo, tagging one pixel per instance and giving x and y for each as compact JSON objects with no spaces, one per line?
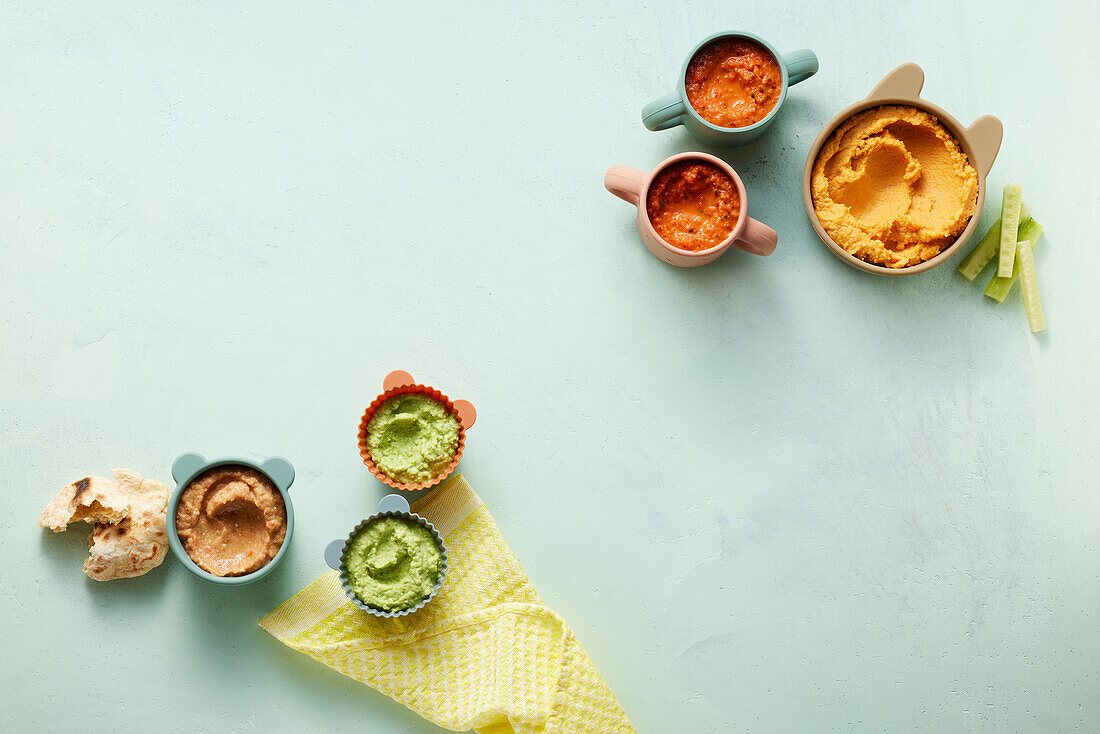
{"x":397,"y":378}
{"x":393,"y":503}
{"x":904,"y":82}
{"x":467,"y":414}
{"x":985,"y":141}
{"x":333,"y":551}
{"x":186,"y":466}
{"x":280,"y":470}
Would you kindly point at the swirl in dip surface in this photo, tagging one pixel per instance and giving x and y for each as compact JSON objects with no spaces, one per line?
{"x":893,"y":187}
{"x":693,"y":205}
{"x":733,"y":82}
{"x":393,"y":563}
{"x":231,"y":520}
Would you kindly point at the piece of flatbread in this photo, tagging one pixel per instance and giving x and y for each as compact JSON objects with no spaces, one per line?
{"x":91,"y":499}
{"x":139,"y":542}
{"x":130,"y":535}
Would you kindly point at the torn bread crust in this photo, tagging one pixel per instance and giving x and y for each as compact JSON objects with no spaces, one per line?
{"x":91,"y":499}
{"x":119,"y":551}
{"x":140,"y":542}
{"x":126,"y":542}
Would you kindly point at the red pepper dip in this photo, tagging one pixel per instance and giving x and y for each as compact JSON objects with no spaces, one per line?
{"x":693,"y":205}
{"x":733,"y":82}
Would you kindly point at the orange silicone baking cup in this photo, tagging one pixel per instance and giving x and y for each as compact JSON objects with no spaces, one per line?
{"x":417,"y":389}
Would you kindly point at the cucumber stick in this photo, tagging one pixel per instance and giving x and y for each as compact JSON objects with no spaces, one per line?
{"x":1029,"y":284}
{"x":1011,"y":203}
{"x":999,"y":287}
{"x":980,"y":256}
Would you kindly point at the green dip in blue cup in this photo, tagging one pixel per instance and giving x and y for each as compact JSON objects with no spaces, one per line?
{"x":393,"y":563}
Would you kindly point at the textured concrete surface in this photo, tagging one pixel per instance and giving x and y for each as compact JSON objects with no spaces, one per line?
{"x":771,"y":495}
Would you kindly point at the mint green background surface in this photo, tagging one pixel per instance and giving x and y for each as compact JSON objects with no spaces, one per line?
{"x":770,"y":495}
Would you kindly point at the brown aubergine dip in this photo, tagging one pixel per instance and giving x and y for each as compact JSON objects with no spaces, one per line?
{"x":231,"y":520}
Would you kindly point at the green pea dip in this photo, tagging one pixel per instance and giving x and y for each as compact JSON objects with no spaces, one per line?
{"x":393,"y":564}
{"x":412,"y":438}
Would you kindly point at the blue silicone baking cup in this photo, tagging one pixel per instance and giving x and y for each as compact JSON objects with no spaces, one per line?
{"x":392,"y":505}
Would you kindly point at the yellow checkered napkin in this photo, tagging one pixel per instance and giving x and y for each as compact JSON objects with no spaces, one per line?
{"x":485,"y":654}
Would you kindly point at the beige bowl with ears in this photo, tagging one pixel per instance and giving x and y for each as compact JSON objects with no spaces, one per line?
{"x":980,"y":142}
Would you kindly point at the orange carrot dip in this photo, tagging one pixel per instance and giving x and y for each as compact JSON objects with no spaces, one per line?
{"x":733,"y":82}
{"x":693,"y":205}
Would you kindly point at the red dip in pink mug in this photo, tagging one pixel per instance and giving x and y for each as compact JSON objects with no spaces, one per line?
{"x":694,"y":209}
